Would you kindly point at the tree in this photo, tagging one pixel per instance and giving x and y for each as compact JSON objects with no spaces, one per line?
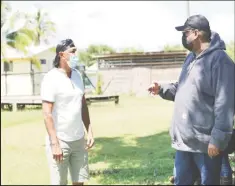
{"x":169,"y":48}
{"x":43,"y":28}
{"x":36,"y":29}
{"x":41,"y":24}
{"x":18,"y":39}
{"x":230,"y":49}
{"x":100,"y":49}
{"x":131,"y":50}
{"x":87,"y":56}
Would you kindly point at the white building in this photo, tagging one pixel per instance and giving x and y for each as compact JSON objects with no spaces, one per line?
{"x":19,"y":75}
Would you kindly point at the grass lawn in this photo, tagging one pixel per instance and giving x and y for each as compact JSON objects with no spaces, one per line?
{"x":132,"y":144}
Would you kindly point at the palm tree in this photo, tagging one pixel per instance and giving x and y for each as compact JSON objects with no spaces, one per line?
{"x":18,"y":39}
{"x":42,"y":25}
{"x":37,"y":29}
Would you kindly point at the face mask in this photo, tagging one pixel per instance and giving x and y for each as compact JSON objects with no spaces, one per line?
{"x":73,"y":61}
{"x":187,"y":44}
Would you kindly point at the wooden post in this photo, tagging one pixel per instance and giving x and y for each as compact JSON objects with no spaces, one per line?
{"x":6,"y":82}
{"x":14,"y":107}
{"x":116,"y":100}
{"x":188,"y":9}
{"x":32,"y":77}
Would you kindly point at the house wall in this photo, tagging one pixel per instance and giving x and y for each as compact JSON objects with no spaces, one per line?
{"x":49,"y":56}
{"x":38,"y":75}
{"x":16,"y":84}
{"x":17,"y":81}
{"x":20,"y":81}
{"x":19,"y":66}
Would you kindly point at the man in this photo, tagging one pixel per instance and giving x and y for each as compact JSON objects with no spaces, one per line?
{"x":226,"y":169}
{"x":65,"y":111}
{"x":204,"y":104}
{"x":225,"y":173}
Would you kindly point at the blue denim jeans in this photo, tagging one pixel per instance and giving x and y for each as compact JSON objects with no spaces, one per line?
{"x":226,"y":170}
{"x":187,"y":162}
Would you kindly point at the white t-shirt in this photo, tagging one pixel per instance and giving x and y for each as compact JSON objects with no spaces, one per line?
{"x":66,"y":94}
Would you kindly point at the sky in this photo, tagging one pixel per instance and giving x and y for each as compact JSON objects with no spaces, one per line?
{"x":148,"y":25}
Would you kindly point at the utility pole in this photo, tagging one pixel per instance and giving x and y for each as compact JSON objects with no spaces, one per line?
{"x":188,"y":8}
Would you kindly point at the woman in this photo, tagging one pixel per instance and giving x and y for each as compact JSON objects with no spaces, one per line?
{"x":65,"y":112}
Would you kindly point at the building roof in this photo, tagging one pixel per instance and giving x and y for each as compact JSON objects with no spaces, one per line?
{"x":153,"y":59}
{"x":12,"y":53}
{"x":141,"y":54}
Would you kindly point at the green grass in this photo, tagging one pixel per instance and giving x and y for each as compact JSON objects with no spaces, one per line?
{"x":9,"y":119}
{"x":132,"y":145}
{"x":142,"y":160}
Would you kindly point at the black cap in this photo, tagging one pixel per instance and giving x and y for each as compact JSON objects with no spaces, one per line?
{"x":195,"y":22}
{"x":62,"y":46}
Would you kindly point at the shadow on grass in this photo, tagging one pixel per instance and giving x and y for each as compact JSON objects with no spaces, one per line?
{"x":142,"y":160}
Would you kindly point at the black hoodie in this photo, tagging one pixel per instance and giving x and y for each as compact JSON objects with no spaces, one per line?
{"x":204,"y":100}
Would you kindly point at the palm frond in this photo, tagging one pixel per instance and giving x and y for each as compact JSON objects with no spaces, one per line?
{"x":20,"y":39}
{"x":36,"y":61}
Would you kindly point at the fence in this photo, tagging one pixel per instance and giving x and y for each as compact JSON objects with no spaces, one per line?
{"x":136,"y":80}
{"x":28,"y":84}
{"x":114,"y":81}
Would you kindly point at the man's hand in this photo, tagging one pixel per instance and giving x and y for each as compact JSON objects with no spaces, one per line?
{"x":86,"y":121}
{"x":90,"y":142}
{"x":213,"y":150}
{"x":57,"y":152}
{"x":90,"y":139}
{"x":154,"y":88}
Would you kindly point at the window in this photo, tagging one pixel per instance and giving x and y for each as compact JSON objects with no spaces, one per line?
{"x":8,"y":66}
{"x":43,"y":61}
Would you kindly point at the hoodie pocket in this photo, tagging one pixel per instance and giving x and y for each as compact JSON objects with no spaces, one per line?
{"x":203,"y":138}
{"x":185,"y":126}
{"x":203,"y":122}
